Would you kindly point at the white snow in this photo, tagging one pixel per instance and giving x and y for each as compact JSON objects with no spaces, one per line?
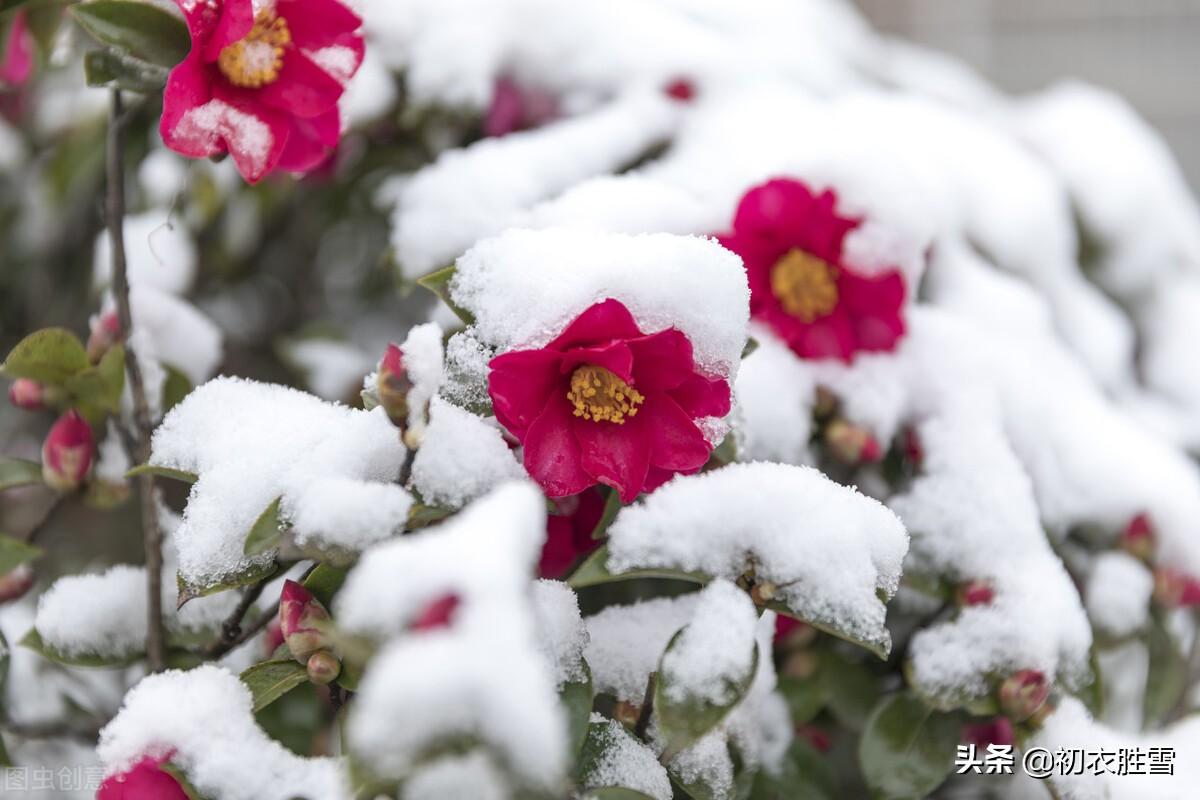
{"x":159,"y":253}
{"x":714,"y":652}
{"x":626,"y":762}
{"x":626,"y":643}
{"x":332,"y":369}
{"x":462,"y":457}
{"x":561,"y":632}
{"x":1118,"y":594}
{"x":210,"y":732}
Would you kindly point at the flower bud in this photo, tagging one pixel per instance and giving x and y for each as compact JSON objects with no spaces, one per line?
{"x":792,"y":633}
{"x":1137,"y":538}
{"x":974,"y":593}
{"x":67,"y":452}
{"x":27,"y":394}
{"x":998,"y":731}
{"x":392,"y":385}
{"x":681,"y":89}
{"x":1023,"y":693}
{"x":815,"y":736}
{"x":1175,"y":589}
{"x":627,"y":713}
{"x":272,"y":637}
{"x":303,"y":621}
{"x":16,"y":582}
{"x":323,"y":667}
{"x":437,"y":614}
{"x":146,"y":778}
{"x":763,"y":593}
{"x":851,"y":444}
{"x":106,"y":331}
{"x":914,"y":451}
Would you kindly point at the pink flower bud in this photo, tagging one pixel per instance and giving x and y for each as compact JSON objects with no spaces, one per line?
{"x":1023,"y":693}
{"x":145,"y":780}
{"x":852,"y":444}
{"x":67,"y":452}
{"x":516,"y":108}
{"x":974,"y":593}
{"x":27,"y":394}
{"x":1138,"y":537}
{"x":16,"y":582}
{"x":998,"y":731}
{"x":914,"y":452}
{"x":815,"y":736}
{"x":1175,"y":589}
{"x":303,"y":621}
{"x":323,"y":667}
{"x":438,"y":614}
{"x":680,"y":89}
{"x":106,"y":331}
{"x":392,"y":385}
{"x":272,"y":637}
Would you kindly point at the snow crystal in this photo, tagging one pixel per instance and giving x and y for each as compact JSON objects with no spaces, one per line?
{"x":470,"y":777}
{"x":626,"y":643}
{"x":112,"y":462}
{"x":1118,"y":594}
{"x":159,"y":253}
{"x":462,"y":457}
{"x":773,"y":391}
{"x":103,"y":615}
{"x":337,"y":60}
{"x":212,"y":737}
{"x":202,"y":129}
{"x":625,"y":762}
{"x":423,"y":358}
{"x":478,"y":191}
{"x":714,"y":652}
{"x":251,"y":443}
{"x":561,"y":632}
{"x":466,"y":371}
{"x":524,"y":287}
{"x":827,"y":548}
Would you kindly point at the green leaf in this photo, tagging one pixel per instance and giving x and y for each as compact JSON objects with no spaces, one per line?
{"x":163,"y":472}
{"x":439,"y":283}
{"x":750,"y":346}
{"x":5,"y":659}
{"x":108,"y":69}
{"x":594,"y":571}
{"x":271,"y":680}
{"x":140,"y":29}
{"x":33,"y":641}
{"x":180,"y":778}
{"x":11,"y":5}
{"x":14,"y":553}
{"x":907,"y":748}
{"x":50,"y":355}
{"x":601,"y":738}
{"x":1166,"y":679}
{"x":805,"y":698}
{"x":577,"y":699}
{"x":851,"y":688}
{"x":612,"y":505}
{"x":422,"y":516}
{"x":252,"y":574}
{"x":264,"y":534}
{"x":18,"y":472}
{"x":324,"y":581}
{"x":804,"y":775}
{"x":176,"y":387}
{"x":880,"y":645}
{"x":682,"y":722}
{"x":100,"y":386}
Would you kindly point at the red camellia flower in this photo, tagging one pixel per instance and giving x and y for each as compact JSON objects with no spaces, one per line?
{"x":145,"y":780}
{"x":791,"y":243}
{"x":569,"y":534}
{"x":262,"y":82}
{"x":607,"y":404}
{"x":67,"y":452}
{"x":16,"y":65}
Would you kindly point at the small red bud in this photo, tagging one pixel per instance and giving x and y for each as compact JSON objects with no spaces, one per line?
{"x":815,"y":736}
{"x":392,"y":385}
{"x":852,"y":444}
{"x":974,"y":593}
{"x":681,"y":89}
{"x":323,"y":667}
{"x":914,"y":452}
{"x":106,"y":331}
{"x":998,"y":731}
{"x":1175,"y":589}
{"x":144,"y":779}
{"x":16,"y":582}
{"x":438,"y":614}
{"x":27,"y":394}
{"x":1137,"y":538}
{"x":67,"y":452}
{"x":272,"y":637}
{"x":1023,"y":693}
{"x":302,"y":621}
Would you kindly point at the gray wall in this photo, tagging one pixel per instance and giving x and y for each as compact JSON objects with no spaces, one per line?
{"x":1148,"y":50}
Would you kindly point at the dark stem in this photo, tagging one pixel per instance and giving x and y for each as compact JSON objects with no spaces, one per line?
{"x":233,"y":633}
{"x":44,"y":522}
{"x":406,"y":467}
{"x":156,"y":655}
{"x":84,"y":731}
{"x":643,"y":720}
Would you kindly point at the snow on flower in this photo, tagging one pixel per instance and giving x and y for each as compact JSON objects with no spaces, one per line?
{"x":461,"y":457}
{"x":605,"y":403}
{"x":145,"y":779}
{"x":829,"y":552}
{"x":211,"y":736}
{"x":262,"y":82}
{"x":250,"y":443}
{"x":791,"y":240}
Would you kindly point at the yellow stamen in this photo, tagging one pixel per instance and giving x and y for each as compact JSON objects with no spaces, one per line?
{"x":805,"y":285}
{"x":255,"y":61}
{"x":600,"y":396}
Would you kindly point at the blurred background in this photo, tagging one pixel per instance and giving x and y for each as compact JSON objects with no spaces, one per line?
{"x":1146,"y":50}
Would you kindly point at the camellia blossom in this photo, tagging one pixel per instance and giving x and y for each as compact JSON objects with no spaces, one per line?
{"x":67,"y":452}
{"x":16,"y":65}
{"x":517,"y":108}
{"x":262,"y":85}
{"x":145,"y":780}
{"x":605,"y":403}
{"x":791,"y":242}
{"x":569,"y":534}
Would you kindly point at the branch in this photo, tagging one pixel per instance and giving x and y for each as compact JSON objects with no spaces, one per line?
{"x":85,"y":731}
{"x":233,"y":633}
{"x":151,"y":535}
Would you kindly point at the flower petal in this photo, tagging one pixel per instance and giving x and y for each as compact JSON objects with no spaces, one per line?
{"x":553,"y":456}
{"x":234,"y":23}
{"x":875,"y":305}
{"x":615,"y":455}
{"x":308,"y":144}
{"x":188,"y":87}
{"x":602,"y":322}
{"x":520,"y":383}
{"x":676,"y":443}
{"x":700,"y":396}
{"x":318,"y":23}
{"x":661,"y":361}
{"x":302,"y":88}
{"x":615,"y":357}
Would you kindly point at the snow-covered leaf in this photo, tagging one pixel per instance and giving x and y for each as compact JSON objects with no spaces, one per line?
{"x":1166,"y":678}
{"x":611,"y":758}
{"x":577,"y":697}
{"x":439,"y":283}
{"x":264,"y":534}
{"x":270,"y":680}
{"x":907,"y":748}
{"x":244,"y":577}
{"x":33,"y":640}
{"x":594,"y":571}
{"x":163,"y":472}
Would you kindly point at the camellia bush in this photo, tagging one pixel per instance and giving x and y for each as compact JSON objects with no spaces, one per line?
{"x":526,"y":399}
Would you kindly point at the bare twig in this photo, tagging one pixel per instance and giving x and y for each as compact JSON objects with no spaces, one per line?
{"x":85,"y":731}
{"x":643,"y":721}
{"x":244,"y":634}
{"x":232,"y":633}
{"x":44,"y":521}
{"x":151,"y":535}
